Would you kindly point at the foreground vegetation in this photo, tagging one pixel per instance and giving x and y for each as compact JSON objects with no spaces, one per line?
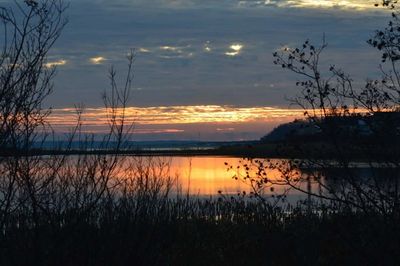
{"x":131,"y":231}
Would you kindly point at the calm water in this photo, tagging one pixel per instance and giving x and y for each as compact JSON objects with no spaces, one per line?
{"x":205,"y":176}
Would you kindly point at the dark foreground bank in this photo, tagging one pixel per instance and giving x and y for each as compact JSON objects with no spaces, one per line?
{"x":186,"y":231}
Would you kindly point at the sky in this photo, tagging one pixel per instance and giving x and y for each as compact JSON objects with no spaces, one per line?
{"x":208,"y":62}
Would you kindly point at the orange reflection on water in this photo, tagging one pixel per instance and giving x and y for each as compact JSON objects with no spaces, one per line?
{"x":201,"y":176}
{"x":208,"y":175}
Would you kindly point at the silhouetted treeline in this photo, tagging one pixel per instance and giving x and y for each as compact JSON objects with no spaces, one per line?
{"x":356,"y":129}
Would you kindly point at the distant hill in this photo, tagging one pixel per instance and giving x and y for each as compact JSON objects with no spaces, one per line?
{"x":292,"y":130}
{"x":354,"y":128}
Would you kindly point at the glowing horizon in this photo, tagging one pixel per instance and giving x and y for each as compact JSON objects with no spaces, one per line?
{"x":348,"y":5}
{"x":178,"y":114}
{"x":209,"y":120}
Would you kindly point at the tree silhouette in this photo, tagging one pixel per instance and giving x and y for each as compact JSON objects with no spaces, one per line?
{"x":29,"y":31}
{"x":355,"y":160}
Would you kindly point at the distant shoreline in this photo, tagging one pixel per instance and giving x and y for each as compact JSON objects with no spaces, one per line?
{"x":250,"y":149}
{"x":277,"y":150}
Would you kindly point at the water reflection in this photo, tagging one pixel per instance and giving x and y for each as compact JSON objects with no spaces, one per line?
{"x":206,"y":176}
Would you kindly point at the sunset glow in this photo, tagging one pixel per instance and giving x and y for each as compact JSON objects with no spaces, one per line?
{"x":189,"y":120}
{"x":361,"y":5}
{"x":355,"y":5}
{"x":179,"y":115}
{"x":208,"y":175}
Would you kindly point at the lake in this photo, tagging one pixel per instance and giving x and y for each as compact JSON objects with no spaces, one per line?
{"x":206,"y":176}
{"x":212,"y":176}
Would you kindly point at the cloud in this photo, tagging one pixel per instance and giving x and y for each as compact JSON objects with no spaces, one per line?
{"x":235,"y":49}
{"x":184,"y":54}
{"x":97,"y":60}
{"x":176,"y":52}
{"x":60,"y":62}
{"x":171,"y":48}
{"x":182,"y":122}
{"x":143,"y":50}
{"x":173,"y":115}
{"x":158,"y":131}
{"x":229,"y":129}
{"x":359,"y":5}
{"x":207,"y":47}
{"x":352,"y":5}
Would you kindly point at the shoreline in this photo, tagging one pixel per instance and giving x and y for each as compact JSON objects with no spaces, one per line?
{"x":315,"y":150}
